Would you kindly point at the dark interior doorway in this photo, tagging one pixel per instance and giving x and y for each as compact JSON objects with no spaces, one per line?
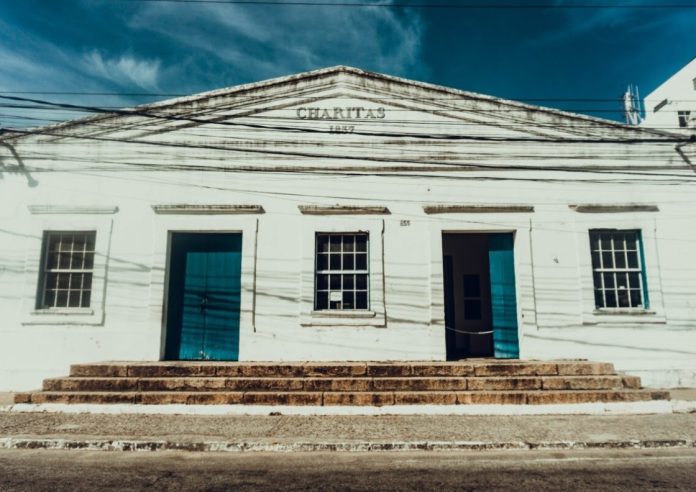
{"x":468,"y":317}
{"x":480,"y":295}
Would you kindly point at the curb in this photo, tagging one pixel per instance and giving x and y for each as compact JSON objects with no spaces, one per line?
{"x":125,"y":445}
{"x":596,"y":408}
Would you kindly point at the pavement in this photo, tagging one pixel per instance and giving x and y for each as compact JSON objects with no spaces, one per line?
{"x":356,"y":433}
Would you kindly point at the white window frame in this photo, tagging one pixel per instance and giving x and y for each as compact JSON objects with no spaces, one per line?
{"x":329,"y":271}
{"x":374,"y":316}
{"x":74,"y":219}
{"x":614,"y":270}
{"x":590,"y":315}
{"x":46,"y":271}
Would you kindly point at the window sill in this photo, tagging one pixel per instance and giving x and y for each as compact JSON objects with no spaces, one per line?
{"x":63,"y":311}
{"x":623,"y":316}
{"x":64,"y":316}
{"x":357,"y":313}
{"x":343,"y":318}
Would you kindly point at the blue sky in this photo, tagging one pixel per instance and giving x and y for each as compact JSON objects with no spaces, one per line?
{"x":126,"y":46}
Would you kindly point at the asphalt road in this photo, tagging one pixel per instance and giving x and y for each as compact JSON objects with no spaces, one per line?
{"x":626,"y":470}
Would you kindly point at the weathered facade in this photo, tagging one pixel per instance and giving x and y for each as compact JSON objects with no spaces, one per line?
{"x":345,"y":215}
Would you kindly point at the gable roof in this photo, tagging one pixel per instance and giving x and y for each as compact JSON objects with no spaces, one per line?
{"x":336,"y":75}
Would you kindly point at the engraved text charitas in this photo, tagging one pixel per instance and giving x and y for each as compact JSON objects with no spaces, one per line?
{"x":345,"y":113}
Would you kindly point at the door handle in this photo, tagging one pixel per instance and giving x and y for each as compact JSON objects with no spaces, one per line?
{"x":204,"y":302}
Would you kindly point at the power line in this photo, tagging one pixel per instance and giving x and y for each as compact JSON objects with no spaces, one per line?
{"x":295,"y":129}
{"x":406,"y":5}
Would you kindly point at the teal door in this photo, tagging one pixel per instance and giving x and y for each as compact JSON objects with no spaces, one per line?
{"x":204,"y":297}
{"x":503,"y":298}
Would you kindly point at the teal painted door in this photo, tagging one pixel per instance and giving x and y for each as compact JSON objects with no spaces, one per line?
{"x":503,"y":297}
{"x":204,"y":297}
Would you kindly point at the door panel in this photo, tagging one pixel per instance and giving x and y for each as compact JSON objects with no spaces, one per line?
{"x":503,"y":298}
{"x":204,"y":297}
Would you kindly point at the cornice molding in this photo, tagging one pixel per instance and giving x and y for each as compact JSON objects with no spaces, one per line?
{"x":342,"y":210}
{"x":191,"y":209}
{"x":606,"y":208}
{"x":71,"y":209}
{"x":477,"y":209}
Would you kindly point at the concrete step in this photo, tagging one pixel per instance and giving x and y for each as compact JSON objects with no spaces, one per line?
{"x":341,"y":384}
{"x":346,"y":398}
{"x":466,"y":368}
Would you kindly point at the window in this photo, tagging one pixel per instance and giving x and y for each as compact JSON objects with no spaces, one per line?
{"x":67,"y":265}
{"x":342,"y":276}
{"x":618,"y":270}
{"x":683,"y":118}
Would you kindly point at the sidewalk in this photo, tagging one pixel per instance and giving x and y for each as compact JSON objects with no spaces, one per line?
{"x":342,"y":433}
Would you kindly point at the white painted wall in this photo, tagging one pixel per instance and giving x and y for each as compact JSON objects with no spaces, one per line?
{"x":89,"y":175}
{"x":678,"y":93}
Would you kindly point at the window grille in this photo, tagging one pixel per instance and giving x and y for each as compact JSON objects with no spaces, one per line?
{"x":67,"y":269}
{"x":618,"y":270}
{"x":342,"y":275}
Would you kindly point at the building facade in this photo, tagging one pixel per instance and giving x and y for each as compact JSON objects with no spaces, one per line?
{"x":672,"y":106}
{"x":346,"y":215}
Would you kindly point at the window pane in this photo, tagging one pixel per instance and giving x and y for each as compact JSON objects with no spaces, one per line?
{"x":349,"y":282}
{"x":348,"y":300}
{"x":622,"y":281}
{"x":636,"y":298}
{"x":605,"y":242}
{"x":90,"y":239}
{"x":361,"y":282}
{"x":64,"y":261}
{"x":594,"y":242}
{"x":632,"y":259}
{"x":597,"y":280}
{"x":361,"y":243}
{"x":322,"y":244}
{"x":599,"y":299}
{"x":348,"y":262}
{"x":361,"y":300}
{"x":335,"y":262}
{"x":623,"y":299}
{"x":322,"y":282}
{"x":609,"y":281}
{"x":50,"y":298}
{"x":607,"y":260}
{"x":86,"y":295}
{"x":335,"y":244}
{"x":322,"y":262}
{"x":611,"y":298}
{"x":62,"y":298}
{"x":74,"y":298}
{"x":322,"y":300}
{"x":631,"y":241}
{"x":472,"y":310}
{"x":63,"y":280}
{"x":348,"y":243}
{"x":335,"y":282}
{"x":619,"y":259}
{"x":361,"y":262}
{"x":89,"y":261}
{"x":87,"y":281}
{"x":634,"y":280}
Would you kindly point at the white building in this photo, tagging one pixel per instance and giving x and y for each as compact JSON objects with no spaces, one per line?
{"x":672,"y":106}
{"x":345,"y":215}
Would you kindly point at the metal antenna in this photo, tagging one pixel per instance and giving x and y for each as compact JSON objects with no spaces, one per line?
{"x":632,"y":111}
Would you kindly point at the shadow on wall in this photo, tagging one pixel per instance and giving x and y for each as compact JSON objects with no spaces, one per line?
{"x":18,"y":168}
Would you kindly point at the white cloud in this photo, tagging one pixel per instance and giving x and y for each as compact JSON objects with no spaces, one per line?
{"x":256,"y":42}
{"x":125,"y":70}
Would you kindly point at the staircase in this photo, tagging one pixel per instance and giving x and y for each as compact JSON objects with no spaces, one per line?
{"x":466,"y":382}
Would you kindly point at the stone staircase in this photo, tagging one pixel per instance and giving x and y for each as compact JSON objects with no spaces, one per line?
{"x":484,"y":381}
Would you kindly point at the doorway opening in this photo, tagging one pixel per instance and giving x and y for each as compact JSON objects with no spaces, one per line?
{"x":480,"y":299}
{"x":204,"y":294}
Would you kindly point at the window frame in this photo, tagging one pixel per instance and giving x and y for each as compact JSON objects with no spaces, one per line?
{"x":614,"y":271}
{"x":56,"y":217}
{"x":375,"y":316}
{"x":683,"y":118}
{"x":342,"y":272}
{"x":45,"y":271}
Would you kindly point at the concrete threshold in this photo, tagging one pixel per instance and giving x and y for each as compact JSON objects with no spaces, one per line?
{"x":364,"y":446}
{"x":613,"y":408}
